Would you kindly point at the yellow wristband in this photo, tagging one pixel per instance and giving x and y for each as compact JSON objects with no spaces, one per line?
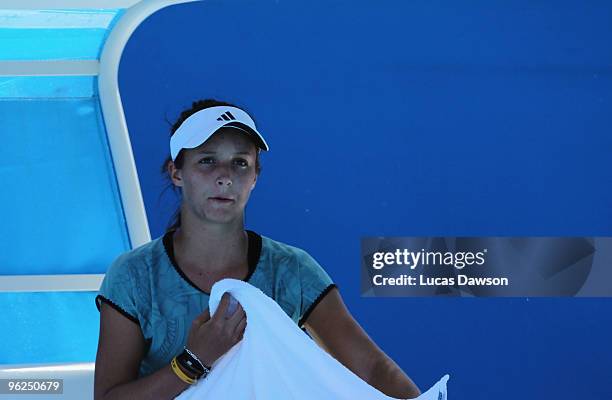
{"x":179,"y":372}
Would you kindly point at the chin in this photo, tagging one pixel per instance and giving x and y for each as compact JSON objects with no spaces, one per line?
{"x":221,"y":217}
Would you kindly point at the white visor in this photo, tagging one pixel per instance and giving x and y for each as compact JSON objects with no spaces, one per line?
{"x":200,"y":126}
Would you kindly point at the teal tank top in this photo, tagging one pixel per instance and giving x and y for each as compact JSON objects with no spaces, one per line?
{"x":148,"y":287}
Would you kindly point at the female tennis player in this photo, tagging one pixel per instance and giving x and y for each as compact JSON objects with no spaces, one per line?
{"x":156,"y":335}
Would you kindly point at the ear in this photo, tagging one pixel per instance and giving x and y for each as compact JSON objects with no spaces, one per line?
{"x":175,"y":174}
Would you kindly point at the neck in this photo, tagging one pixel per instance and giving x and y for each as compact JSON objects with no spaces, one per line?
{"x":211,"y":247}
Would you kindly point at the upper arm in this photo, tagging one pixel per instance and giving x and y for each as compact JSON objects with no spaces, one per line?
{"x":334,"y":328}
{"x":121,"y":347}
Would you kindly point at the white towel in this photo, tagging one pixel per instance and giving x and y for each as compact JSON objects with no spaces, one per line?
{"x":277,"y":360}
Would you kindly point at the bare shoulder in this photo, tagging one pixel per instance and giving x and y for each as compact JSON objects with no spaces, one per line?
{"x":121,"y":347}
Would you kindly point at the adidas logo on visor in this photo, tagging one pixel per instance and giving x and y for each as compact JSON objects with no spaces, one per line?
{"x":226,"y":116}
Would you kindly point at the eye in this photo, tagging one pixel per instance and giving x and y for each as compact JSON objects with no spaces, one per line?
{"x":241,"y":162}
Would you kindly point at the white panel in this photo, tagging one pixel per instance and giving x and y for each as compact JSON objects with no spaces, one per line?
{"x":51,"y":283}
{"x":49,"y":68}
{"x":57,"y":4}
{"x":78,"y":379}
{"x":55,"y":19}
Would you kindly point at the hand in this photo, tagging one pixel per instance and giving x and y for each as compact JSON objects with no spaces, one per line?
{"x":210,"y":338}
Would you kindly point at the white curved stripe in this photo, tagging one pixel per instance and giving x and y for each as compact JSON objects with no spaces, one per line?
{"x":51,"y":283}
{"x":114,"y":117}
{"x":36,"y":368}
{"x":50,"y":68}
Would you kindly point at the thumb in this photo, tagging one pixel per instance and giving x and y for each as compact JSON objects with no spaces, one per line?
{"x":222,"y":307}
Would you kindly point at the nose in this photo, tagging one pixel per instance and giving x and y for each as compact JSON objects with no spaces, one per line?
{"x":224,"y":181}
{"x":224,"y":175}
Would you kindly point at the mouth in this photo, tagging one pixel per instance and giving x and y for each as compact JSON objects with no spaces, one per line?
{"x":221,"y":200}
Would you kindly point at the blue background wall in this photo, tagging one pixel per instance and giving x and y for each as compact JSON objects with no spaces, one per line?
{"x":410,"y":118}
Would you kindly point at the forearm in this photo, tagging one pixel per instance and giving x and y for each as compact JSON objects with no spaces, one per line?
{"x":389,"y":378}
{"x":160,"y":385}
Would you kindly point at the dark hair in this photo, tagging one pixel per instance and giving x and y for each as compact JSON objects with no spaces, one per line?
{"x":196,"y":106}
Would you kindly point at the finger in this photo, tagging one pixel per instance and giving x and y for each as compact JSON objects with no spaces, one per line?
{"x":222,"y":307}
{"x":239,"y":332}
{"x":231,"y":308}
{"x":202,"y":318}
{"x":205,"y":316}
{"x":232,"y":322}
{"x":237,"y":316}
